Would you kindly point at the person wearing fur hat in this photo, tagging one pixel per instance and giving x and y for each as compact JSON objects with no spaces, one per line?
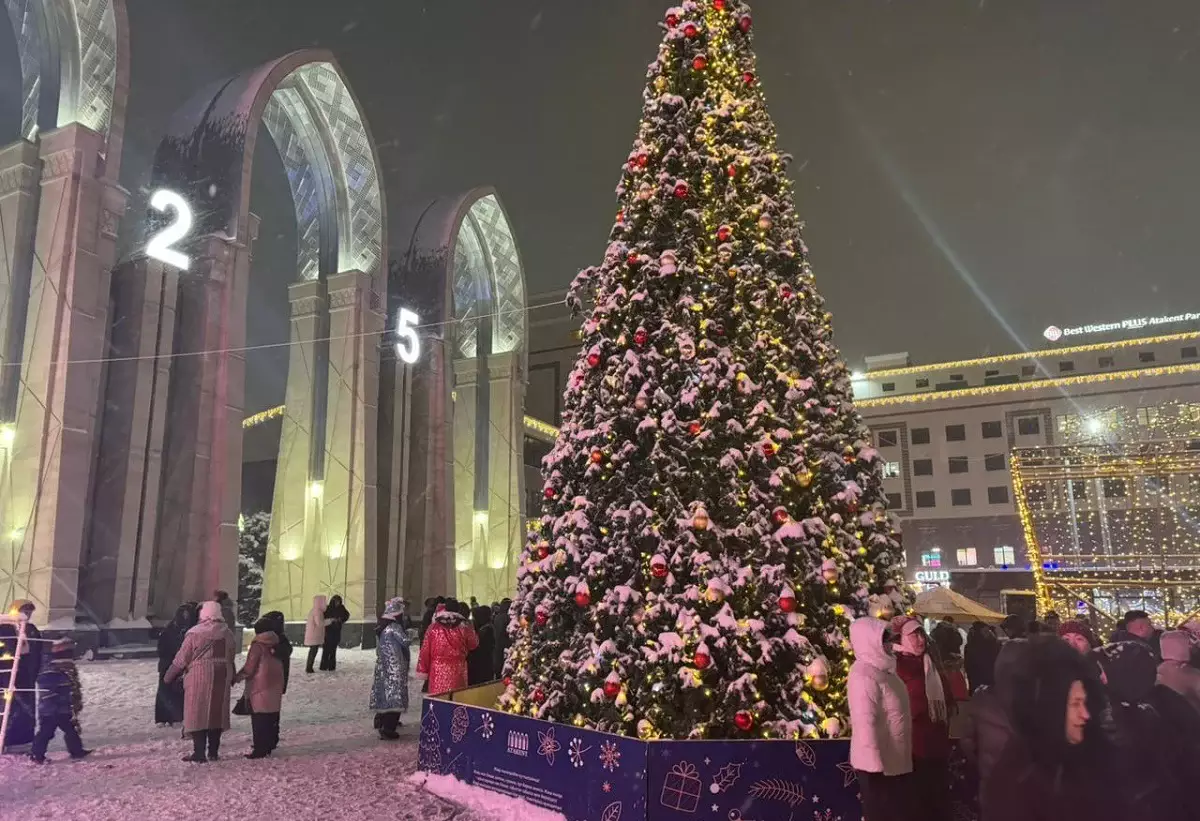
{"x":60,"y":701}
{"x":881,"y":723}
{"x":263,"y":674}
{"x":1079,"y":635}
{"x":389,"y":690}
{"x":1176,"y":670}
{"x":21,"y":721}
{"x":1057,"y":764}
{"x":930,"y":703}
{"x":1151,"y":742}
{"x":205,"y":660}
{"x":444,"y":651}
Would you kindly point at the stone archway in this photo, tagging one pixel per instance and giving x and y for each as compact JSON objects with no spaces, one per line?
{"x":462,"y":527}
{"x":60,"y":207}
{"x":185,"y":529}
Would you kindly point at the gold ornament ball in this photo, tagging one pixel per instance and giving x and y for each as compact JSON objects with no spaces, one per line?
{"x":820,"y":683}
{"x":764,"y":222}
{"x":805,"y":479}
{"x":700,"y":520}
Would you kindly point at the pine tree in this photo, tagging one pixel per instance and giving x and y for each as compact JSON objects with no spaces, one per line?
{"x":253,"y":535}
{"x":713,"y":514}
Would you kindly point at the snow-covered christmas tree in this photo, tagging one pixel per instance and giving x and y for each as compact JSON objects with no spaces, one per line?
{"x":713,"y":516}
{"x":253,"y":535}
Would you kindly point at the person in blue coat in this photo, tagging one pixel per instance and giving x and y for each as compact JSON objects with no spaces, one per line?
{"x":60,"y":701}
{"x":389,"y":692}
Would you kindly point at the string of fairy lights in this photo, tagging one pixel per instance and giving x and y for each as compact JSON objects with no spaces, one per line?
{"x":1109,"y":527}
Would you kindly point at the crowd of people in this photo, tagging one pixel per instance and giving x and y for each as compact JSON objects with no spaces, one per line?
{"x":461,"y":645}
{"x":1056,"y":725}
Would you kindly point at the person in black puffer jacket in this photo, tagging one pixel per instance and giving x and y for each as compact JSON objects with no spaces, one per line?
{"x":1058,"y":764}
{"x":1151,"y":746}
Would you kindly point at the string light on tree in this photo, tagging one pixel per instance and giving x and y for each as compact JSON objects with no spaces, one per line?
{"x":731,"y":454}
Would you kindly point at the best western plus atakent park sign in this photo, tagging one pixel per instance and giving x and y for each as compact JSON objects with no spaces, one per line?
{"x":1055,"y":333}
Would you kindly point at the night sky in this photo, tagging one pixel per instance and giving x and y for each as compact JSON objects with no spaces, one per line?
{"x":969,"y":171}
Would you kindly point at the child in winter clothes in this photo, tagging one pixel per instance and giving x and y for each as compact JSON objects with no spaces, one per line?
{"x":263,"y":675}
{"x":881,"y":741}
{"x":444,"y":651}
{"x":60,"y":703}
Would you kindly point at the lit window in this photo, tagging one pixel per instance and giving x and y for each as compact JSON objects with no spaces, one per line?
{"x":891,"y":470}
{"x":1147,"y":416}
{"x":888,"y":438}
{"x":1029,"y":426}
{"x":1004,"y":555}
{"x":1066,"y":423}
{"x":966,"y":557}
{"x":932,"y":558}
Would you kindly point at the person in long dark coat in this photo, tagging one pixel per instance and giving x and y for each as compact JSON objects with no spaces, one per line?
{"x":336,"y":615}
{"x":481,"y":660}
{"x":979,"y":656}
{"x":500,"y":634}
{"x":22,"y":725}
{"x":168,"y":701}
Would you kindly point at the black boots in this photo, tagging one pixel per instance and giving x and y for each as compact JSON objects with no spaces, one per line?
{"x":386,"y":724}
{"x":202,"y":739}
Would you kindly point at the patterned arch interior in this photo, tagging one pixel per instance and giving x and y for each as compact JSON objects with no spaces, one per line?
{"x":68,"y":54}
{"x":319,"y":132}
{"x":489,"y":281}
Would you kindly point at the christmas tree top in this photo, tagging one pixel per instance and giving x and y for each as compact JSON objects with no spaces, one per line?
{"x":713,"y":515}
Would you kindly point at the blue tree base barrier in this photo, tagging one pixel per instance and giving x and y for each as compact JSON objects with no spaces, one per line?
{"x":591,"y":776}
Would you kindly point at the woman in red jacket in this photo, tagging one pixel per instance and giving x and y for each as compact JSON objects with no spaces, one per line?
{"x":930,"y":703}
{"x":444,"y":651}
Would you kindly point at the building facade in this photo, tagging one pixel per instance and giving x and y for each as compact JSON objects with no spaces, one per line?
{"x":947,"y":433}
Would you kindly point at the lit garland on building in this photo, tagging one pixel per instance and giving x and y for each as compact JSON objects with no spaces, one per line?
{"x":1112,"y":527}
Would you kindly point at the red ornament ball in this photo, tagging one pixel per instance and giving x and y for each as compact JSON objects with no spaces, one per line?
{"x":658,"y":567}
{"x":642,"y":159}
{"x":849,"y":458}
{"x":700,"y":62}
{"x":701,"y":660}
{"x":719,"y":5}
{"x":640,"y":337}
{"x":672,"y":20}
{"x":768,"y":449}
{"x":543,"y":551}
{"x":690,"y":31}
{"x":788,"y":604}
{"x":731,"y":170}
{"x":694,"y":428}
{"x":583,"y":599}
{"x":593,"y":360}
{"x":780,"y":516}
{"x":745,"y":23}
{"x":748,"y":78}
{"x":597,"y":457}
{"x":541,"y":617}
{"x":508,"y":681}
{"x":634,"y":258}
{"x":539,"y":696}
{"x":549,"y":492}
{"x":612,"y":689}
{"x":724,"y":233}
{"x":681,"y":190}
{"x":785,"y":291}
{"x":744,"y":720}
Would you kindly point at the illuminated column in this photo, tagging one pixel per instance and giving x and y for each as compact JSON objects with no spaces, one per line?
{"x":349,"y":536}
{"x":120,"y":559}
{"x":202,"y":480}
{"x":489,"y":525}
{"x":297,"y":495}
{"x":506,"y":462}
{"x":20,"y":175}
{"x":53,"y":447}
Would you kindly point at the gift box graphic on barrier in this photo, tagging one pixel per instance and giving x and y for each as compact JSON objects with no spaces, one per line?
{"x":681,"y":790}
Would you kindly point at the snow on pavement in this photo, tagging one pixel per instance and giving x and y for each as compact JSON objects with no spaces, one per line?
{"x":330,"y":763}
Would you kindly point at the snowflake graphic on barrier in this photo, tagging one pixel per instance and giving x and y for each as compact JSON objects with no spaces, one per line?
{"x":548,"y":746}
{"x":487,"y":726}
{"x":848,"y":774}
{"x":576,"y":751}
{"x":460,"y":722}
{"x":610,"y":756}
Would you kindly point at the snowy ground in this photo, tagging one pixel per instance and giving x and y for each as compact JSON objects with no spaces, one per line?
{"x":330,"y":763}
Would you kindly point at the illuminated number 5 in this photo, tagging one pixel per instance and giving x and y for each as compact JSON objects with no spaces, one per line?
{"x":159,"y":246}
{"x":408,"y":348}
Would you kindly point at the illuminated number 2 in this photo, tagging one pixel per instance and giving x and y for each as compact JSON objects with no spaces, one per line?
{"x":408,"y":348}
{"x":159,"y":246}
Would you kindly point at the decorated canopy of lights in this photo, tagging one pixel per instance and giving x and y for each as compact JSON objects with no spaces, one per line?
{"x":1113,"y":527}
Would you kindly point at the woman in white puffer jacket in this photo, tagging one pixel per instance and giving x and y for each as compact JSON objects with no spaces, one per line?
{"x":881,"y":724}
